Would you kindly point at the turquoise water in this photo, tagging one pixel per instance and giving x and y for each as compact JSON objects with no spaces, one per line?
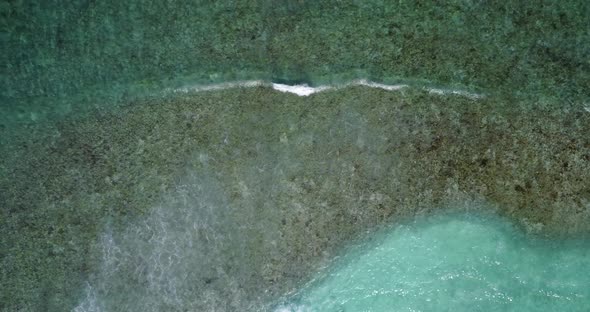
{"x":454,"y":263}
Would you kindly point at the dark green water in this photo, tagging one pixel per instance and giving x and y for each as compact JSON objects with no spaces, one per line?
{"x":118,"y":193}
{"x":64,"y":57}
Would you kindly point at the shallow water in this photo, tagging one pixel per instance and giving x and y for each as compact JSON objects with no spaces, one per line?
{"x":466,"y":262}
{"x":61,"y":58}
{"x":107,"y":106}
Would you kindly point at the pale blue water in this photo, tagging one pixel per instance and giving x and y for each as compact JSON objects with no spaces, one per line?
{"x":454,"y":263}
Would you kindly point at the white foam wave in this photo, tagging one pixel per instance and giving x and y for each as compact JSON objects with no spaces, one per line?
{"x":219,"y":86}
{"x":455,"y":92}
{"x":301,"y":90}
{"x":306,"y":90}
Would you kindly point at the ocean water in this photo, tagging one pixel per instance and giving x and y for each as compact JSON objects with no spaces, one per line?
{"x":453,"y":262}
{"x":68,"y":58}
{"x":216,"y":155}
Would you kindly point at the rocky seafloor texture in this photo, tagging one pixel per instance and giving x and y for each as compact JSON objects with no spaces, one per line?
{"x":226,"y":200}
{"x":117,"y":196}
